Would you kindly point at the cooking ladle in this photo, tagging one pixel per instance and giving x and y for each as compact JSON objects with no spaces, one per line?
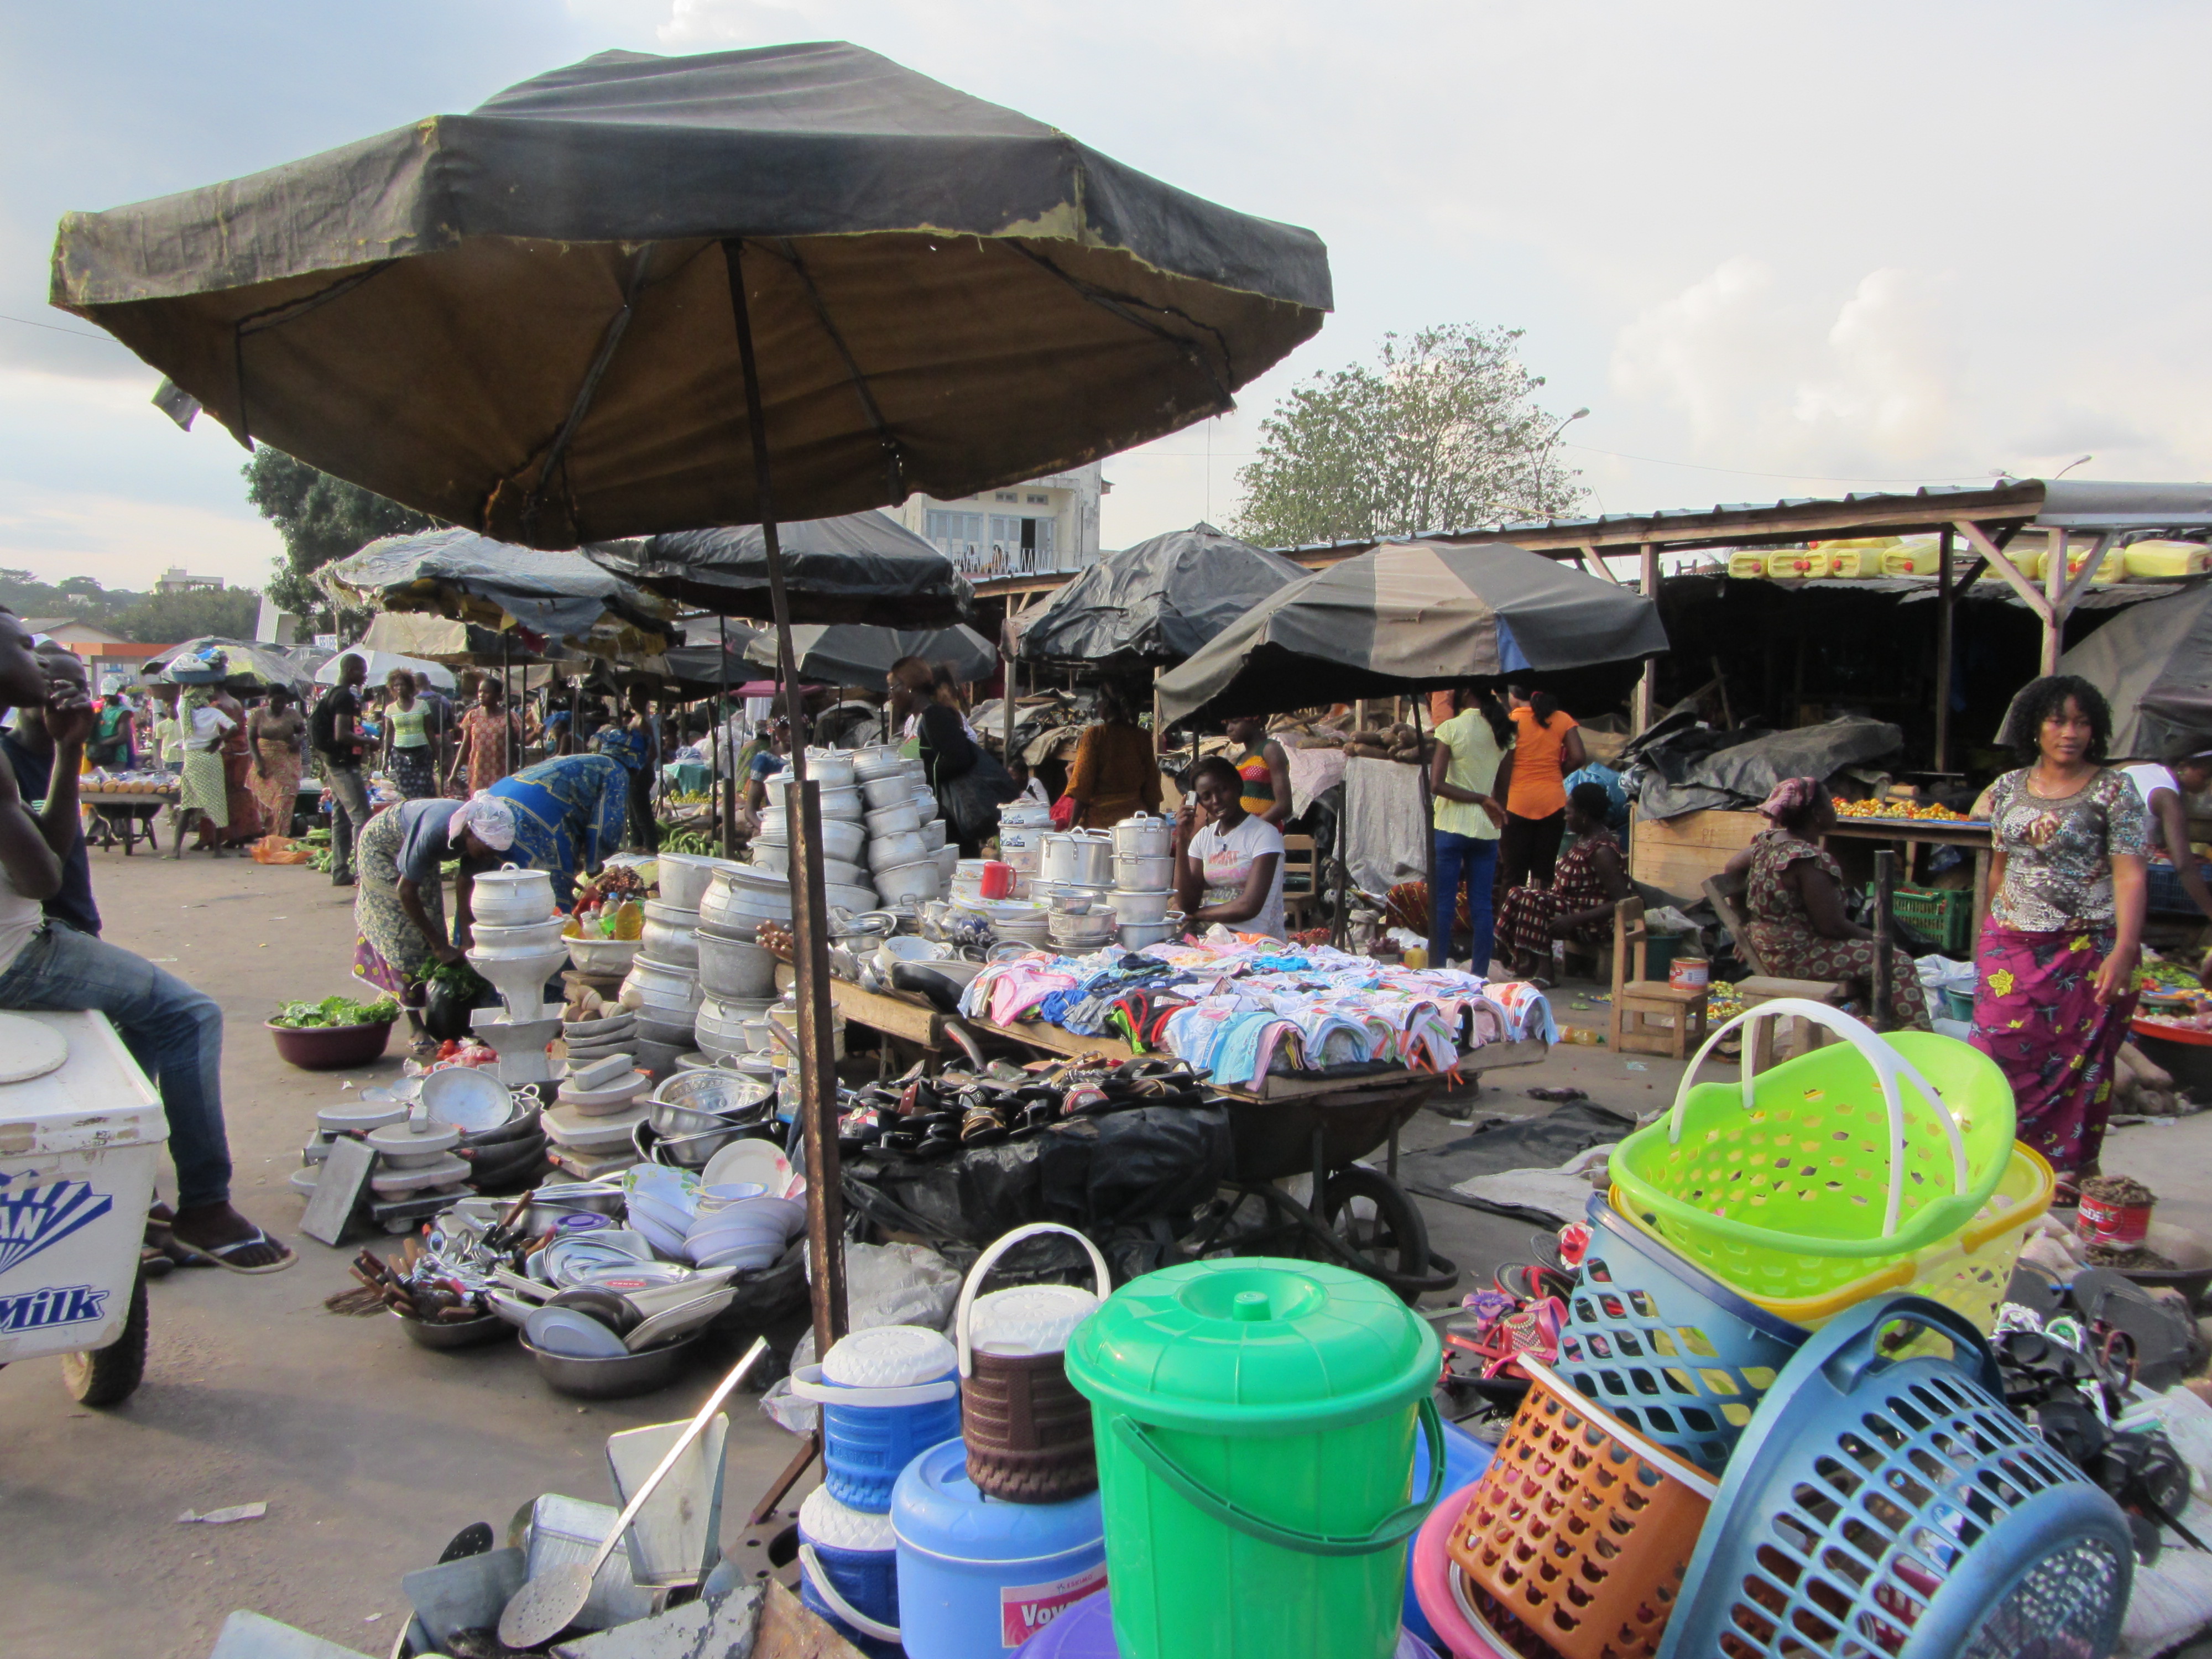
{"x":549,"y":1604}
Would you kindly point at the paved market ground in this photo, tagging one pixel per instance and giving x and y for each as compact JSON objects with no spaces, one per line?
{"x":370,"y":1452}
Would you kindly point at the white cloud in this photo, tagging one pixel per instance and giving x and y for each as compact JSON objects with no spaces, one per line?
{"x":127,"y":543}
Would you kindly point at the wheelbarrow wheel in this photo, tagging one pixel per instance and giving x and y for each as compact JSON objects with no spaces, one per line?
{"x":1377,"y":1224}
{"x":109,"y":1376}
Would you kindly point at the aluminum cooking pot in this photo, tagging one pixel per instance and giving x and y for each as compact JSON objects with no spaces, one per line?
{"x":1083,"y":858}
{"x":1144,"y":837}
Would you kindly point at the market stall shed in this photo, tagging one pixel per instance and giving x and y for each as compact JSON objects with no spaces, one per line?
{"x":2155,"y":666}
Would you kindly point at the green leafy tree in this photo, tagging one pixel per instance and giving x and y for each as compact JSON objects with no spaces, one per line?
{"x":172,"y":618}
{"x":1441,"y":431}
{"x":321,"y":518}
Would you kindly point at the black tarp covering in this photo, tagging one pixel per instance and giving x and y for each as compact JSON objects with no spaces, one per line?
{"x":520,"y":319}
{"x":1155,"y":602}
{"x":1698,"y":770}
{"x":862,"y":567}
{"x":1409,"y":616}
{"x":2154,"y":663}
{"x":557,"y":595}
{"x":856,"y":654}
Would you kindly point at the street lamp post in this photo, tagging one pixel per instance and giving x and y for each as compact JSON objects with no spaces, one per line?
{"x":1544,"y":455}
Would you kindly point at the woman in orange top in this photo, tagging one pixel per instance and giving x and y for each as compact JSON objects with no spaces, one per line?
{"x":1547,"y":747}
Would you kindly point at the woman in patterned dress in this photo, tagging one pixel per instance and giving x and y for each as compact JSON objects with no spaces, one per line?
{"x":567,"y":814}
{"x":1588,"y":880}
{"x":492,"y":738}
{"x":274,"y":731}
{"x":2055,"y":986}
{"x":1793,"y":904}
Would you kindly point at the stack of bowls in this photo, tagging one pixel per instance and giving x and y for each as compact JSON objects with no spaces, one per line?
{"x":1022,"y":829}
{"x":719,"y":1027}
{"x":903,"y":847}
{"x":843,"y":807}
{"x":1078,"y":931}
{"x":738,"y":1226}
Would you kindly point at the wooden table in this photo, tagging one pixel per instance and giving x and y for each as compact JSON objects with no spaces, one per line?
{"x":1932,"y":832}
{"x":130,"y":808}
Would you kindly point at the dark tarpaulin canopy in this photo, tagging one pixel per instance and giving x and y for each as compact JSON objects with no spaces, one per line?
{"x":252,"y":665}
{"x":1156,"y":603}
{"x":461,"y":574}
{"x":1409,"y":616}
{"x":862,"y":567}
{"x":853,"y":654}
{"x":947,"y":295}
{"x":2154,"y":663}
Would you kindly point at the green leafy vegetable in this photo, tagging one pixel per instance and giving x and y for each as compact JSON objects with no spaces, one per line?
{"x":335,"y":1012}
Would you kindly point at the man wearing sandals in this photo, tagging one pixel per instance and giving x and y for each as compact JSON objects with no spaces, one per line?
{"x":174,"y":1031}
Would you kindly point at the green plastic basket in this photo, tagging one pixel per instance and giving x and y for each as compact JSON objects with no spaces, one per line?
{"x":1944,"y":914}
{"x":1817,"y":1172}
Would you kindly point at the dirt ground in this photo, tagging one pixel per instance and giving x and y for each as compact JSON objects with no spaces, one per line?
{"x":370,"y":1452}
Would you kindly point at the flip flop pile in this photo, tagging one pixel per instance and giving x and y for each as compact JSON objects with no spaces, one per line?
{"x":928,"y":1118}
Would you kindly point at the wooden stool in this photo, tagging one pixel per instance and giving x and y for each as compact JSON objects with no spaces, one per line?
{"x":1799,"y":1035}
{"x":1649,"y":1017}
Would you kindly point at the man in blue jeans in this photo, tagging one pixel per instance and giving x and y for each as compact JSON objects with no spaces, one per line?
{"x":1468,"y":778}
{"x":334,"y":729}
{"x":174,"y":1031}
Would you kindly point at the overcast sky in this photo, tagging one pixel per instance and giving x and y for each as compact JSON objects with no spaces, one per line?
{"x":1776,"y":250}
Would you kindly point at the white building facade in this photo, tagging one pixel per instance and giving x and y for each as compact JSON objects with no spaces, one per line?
{"x":1041,"y":527}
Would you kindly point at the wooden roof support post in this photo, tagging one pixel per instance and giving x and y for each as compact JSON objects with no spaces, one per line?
{"x":1947,"y":605}
{"x":1646,"y":688}
{"x":1594,"y":561}
{"x":2054,"y":586}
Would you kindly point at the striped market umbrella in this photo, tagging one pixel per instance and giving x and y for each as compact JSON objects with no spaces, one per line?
{"x":1412,"y":616}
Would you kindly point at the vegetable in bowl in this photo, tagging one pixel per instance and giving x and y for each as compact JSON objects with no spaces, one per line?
{"x":333,"y":1012}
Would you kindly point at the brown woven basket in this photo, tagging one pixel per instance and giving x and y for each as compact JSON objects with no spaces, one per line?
{"x":1027,"y":1430}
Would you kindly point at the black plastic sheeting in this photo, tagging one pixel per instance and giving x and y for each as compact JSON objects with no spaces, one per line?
{"x":1544,"y":1142}
{"x":856,"y":654}
{"x":1697,"y":770}
{"x":1137,"y":1169}
{"x":559,"y":596}
{"x":1155,"y":602}
{"x":862,"y":567}
{"x":2154,"y":663}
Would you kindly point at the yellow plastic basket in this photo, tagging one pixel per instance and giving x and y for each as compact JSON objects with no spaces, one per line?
{"x":1968,"y":1273}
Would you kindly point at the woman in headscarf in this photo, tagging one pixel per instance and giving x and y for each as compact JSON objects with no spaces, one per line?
{"x":568,"y":813}
{"x":1793,"y":904}
{"x":399,"y":908}
{"x":203,"y":794}
{"x":1590,"y":879}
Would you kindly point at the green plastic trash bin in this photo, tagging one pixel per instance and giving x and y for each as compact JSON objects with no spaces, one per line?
{"x":1255,"y":1422}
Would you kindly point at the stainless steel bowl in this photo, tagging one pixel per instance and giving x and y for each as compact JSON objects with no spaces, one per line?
{"x":612,"y":1378}
{"x":461,"y":1333}
{"x":722,"y":1094}
{"x":693,"y":1152}
{"x":673,"y":1121}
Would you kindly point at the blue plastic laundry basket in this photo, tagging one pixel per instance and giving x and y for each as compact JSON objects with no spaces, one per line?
{"x":1670,"y":1350}
{"x":1896,"y":1510}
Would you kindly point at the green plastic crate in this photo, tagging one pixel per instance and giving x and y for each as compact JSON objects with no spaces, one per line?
{"x":1944,"y":914}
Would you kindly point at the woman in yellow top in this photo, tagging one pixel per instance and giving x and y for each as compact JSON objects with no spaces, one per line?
{"x":409,"y":760}
{"x":1463,"y":775}
{"x":1547,"y":746}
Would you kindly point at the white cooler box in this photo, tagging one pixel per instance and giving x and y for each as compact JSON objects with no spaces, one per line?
{"x":79,"y":1137}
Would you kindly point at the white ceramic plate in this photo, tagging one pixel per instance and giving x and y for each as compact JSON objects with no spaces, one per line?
{"x":754,"y":1161}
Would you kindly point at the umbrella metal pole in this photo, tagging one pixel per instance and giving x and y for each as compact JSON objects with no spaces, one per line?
{"x":1429,"y":848}
{"x":817,"y":1075}
{"x":1006,"y":642}
{"x":726,"y":783}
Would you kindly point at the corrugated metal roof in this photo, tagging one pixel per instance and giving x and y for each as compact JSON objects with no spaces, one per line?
{"x":2064,"y":503}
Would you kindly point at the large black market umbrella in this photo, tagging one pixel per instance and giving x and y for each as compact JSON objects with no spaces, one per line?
{"x":853,"y":655}
{"x":465,"y":577}
{"x":520,"y":319}
{"x":1156,"y":603}
{"x":643,"y":295}
{"x":1410,"y":616}
{"x":858,"y":568}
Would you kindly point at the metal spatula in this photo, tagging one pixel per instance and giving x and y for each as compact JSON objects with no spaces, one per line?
{"x":549,"y":1603}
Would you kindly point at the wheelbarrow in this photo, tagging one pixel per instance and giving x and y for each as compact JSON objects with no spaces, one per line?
{"x":76,"y":1175}
{"x":1360,"y":1218}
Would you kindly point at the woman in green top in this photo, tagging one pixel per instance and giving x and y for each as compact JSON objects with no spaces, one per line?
{"x":409,"y":760}
{"x":1468,"y":776}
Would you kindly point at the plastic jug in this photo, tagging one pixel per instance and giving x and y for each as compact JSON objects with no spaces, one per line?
{"x":886,"y":1394}
{"x":1255,"y":1422}
{"x":848,"y":1573}
{"x":1027,"y":1432}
